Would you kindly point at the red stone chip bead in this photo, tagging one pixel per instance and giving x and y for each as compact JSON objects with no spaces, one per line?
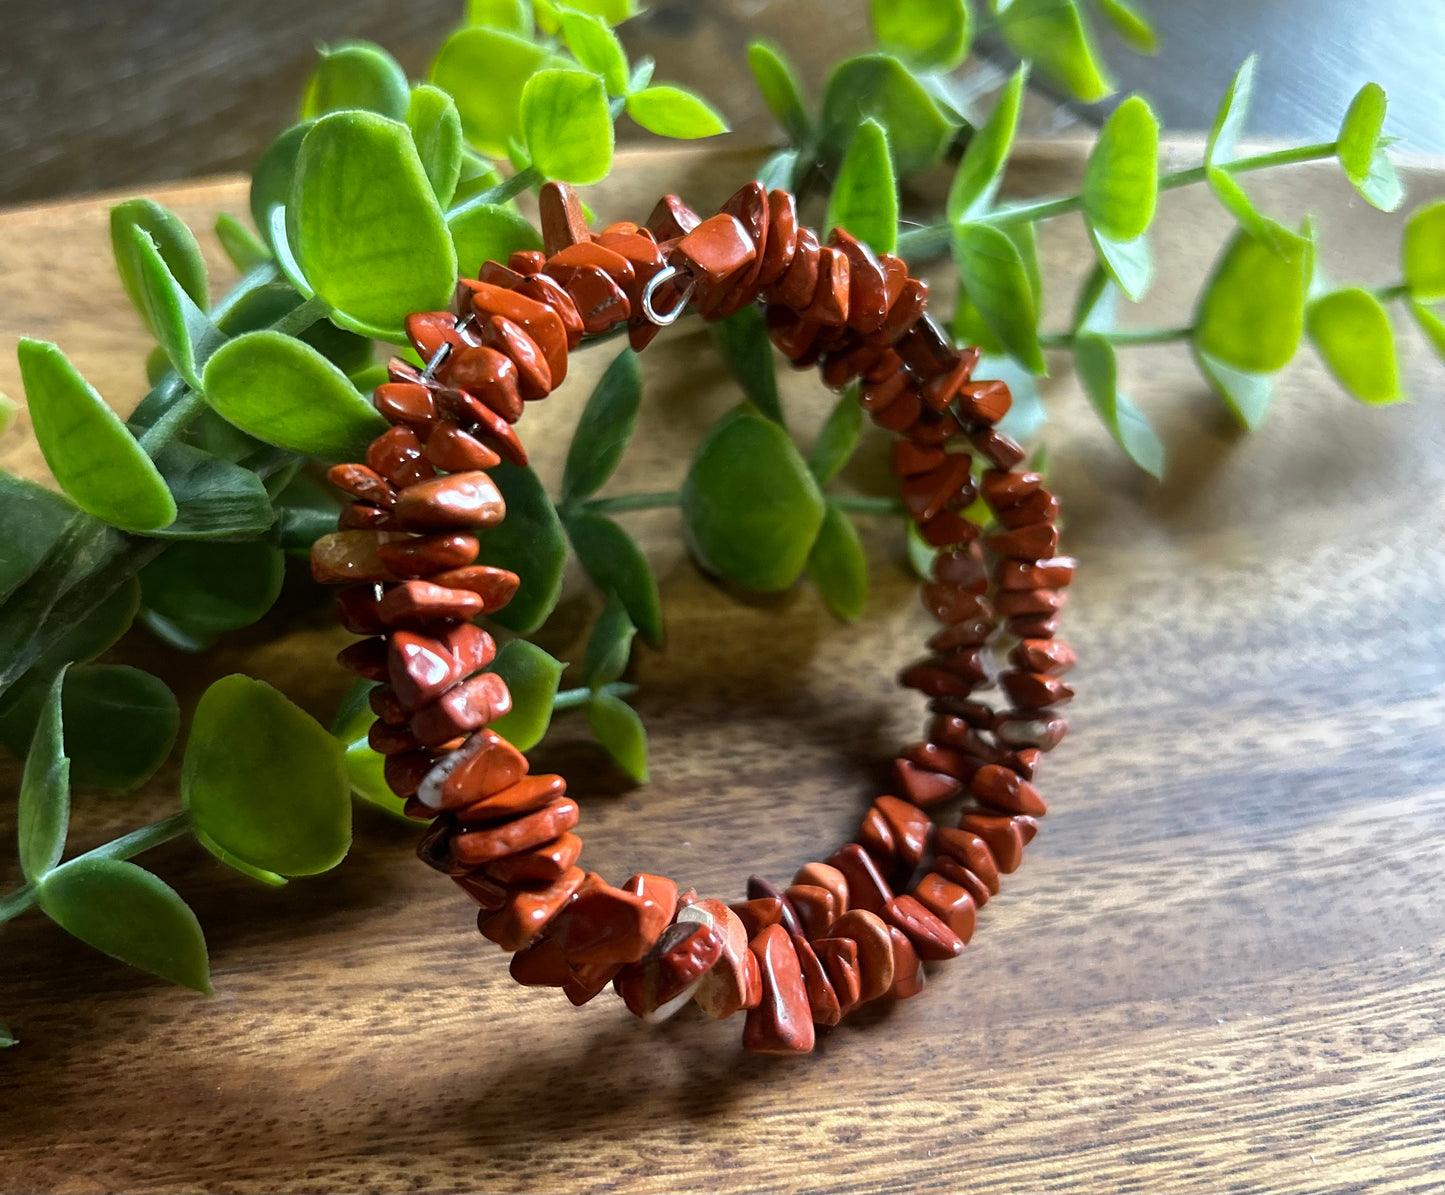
{"x":856,"y":928}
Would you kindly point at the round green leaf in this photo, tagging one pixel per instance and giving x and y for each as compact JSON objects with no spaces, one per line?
{"x":124,"y":911}
{"x":515,"y":16}
{"x":596,"y":47}
{"x":616,"y":565}
{"x":1252,"y":311}
{"x":1246,"y":394}
{"x":44,"y":810}
{"x":485,"y":70}
{"x":921,"y":553}
{"x":750,"y":507}
{"x":1229,"y":118}
{"x":120,"y":725}
{"x":621,"y":733}
{"x":604,"y":429}
{"x":779,"y":87}
{"x":567,"y":125}
{"x":614,"y":12}
{"x":272,"y":177}
{"x":265,"y":781}
{"x":838,"y":567}
{"x":241,"y":245}
{"x":8,"y":410}
{"x":981,"y":169}
{"x":1121,"y":181}
{"x":1053,"y":36}
{"x":283,"y":392}
{"x":269,"y":878}
{"x":530,"y":543}
{"x":215,"y":499}
{"x":34,"y":519}
{"x":436,"y":131}
{"x":490,"y":232}
{"x":531,"y":676}
{"x":1128,"y":264}
{"x":1433,"y":327}
{"x":365,"y":768}
{"x":1098,"y":369}
{"x":880,"y":86}
{"x":1131,"y":25}
{"x":364,"y":223}
{"x":743,"y":341}
{"x":184,"y":332}
{"x":673,"y":112}
{"x":838,"y":438}
{"x":928,"y":34}
{"x":356,"y":75}
{"x":1360,"y":132}
{"x":89,"y":450}
{"x":306,"y":509}
{"x":207,"y":588}
{"x":864,"y":200}
{"x":996,"y":279}
{"x":1422,"y":252}
{"x":174,"y":243}
{"x":610,"y":645}
{"x":1352,"y":334}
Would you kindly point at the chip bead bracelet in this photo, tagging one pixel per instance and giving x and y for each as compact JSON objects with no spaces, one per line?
{"x":850,"y":929}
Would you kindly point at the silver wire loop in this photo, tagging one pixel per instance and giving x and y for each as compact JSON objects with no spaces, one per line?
{"x":460,"y":327}
{"x":660,"y":318}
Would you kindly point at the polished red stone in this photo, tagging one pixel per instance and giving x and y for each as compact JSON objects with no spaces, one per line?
{"x":552,"y":293}
{"x":782,"y":1022}
{"x":346,"y":556}
{"x":1002,"y":450}
{"x":458,"y":500}
{"x":364,"y":483}
{"x":734,"y":981}
{"x":542,"y":964}
{"x":489,"y":376}
{"x":951,"y":903}
{"x":823,"y":1004}
{"x":931,"y":757}
{"x":541,"y":864}
{"x":1054,"y":573}
{"x":830,"y":879}
{"x":949,"y":485}
{"x":1031,"y":602}
{"x":1001,"y":489}
{"x":419,"y":604}
{"x":758,"y":913}
{"x":867,"y":290}
{"x":1006,"y":789}
{"x":449,"y":447}
{"x":403,"y":773}
{"x":902,"y":412}
{"x":875,"y":961}
{"x":366,"y":658}
{"x":1035,"y":690}
{"x":759,"y":889}
{"x":1025,"y":543}
{"x":607,"y":925}
{"x":537,"y":320}
{"x":409,"y":403}
{"x":534,"y":376}
{"x":782,"y":240}
{"x":911,"y":460}
{"x":399,"y":457}
{"x":798,"y":282}
{"x":908,"y":977}
{"x":529,"y":910}
{"x":922,"y":787}
{"x":953,"y":603}
{"x":912,"y":830}
{"x":562,"y":219}
{"x":655,"y":987}
{"x":361,"y":516}
{"x":671,"y":218}
{"x":1039,"y":507}
{"x":875,"y":836}
{"x":930,"y":937}
{"x":592,"y":255}
{"x":600,"y":301}
{"x":462,"y":708}
{"x":955,"y":872}
{"x":972,"y":852}
{"x":867,"y":889}
{"x":715,"y":250}
{"x":984,"y":402}
{"x":963,"y":568}
{"x":1006,"y":836}
{"x":421,"y":667}
{"x":477,"y":848}
{"x":417,"y":556}
{"x":948,"y":528}
{"x":839,"y":957}
{"x":814,"y":907}
{"x":385,"y":739}
{"x":527,"y":794}
{"x":484,"y":764}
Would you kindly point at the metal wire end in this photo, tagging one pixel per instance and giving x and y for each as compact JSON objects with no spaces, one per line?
{"x":663,"y":319}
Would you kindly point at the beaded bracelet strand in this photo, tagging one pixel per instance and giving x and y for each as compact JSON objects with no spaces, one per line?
{"x":838,"y":936}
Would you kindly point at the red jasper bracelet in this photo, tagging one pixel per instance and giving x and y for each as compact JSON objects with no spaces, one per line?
{"x":838,"y":936}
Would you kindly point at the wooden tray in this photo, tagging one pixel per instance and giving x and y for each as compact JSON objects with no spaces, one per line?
{"x":1221,"y":966}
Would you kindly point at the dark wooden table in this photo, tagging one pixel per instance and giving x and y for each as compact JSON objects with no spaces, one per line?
{"x":1221,"y":968}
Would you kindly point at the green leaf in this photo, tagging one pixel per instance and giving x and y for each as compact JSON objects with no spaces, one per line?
{"x":838,"y":567}
{"x":616,"y":565}
{"x":89,"y":450}
{"x":778,"y":170}
{"x":305,"y":511}
{"x":596,"y":47}
{"x":364,"y":222}
{"x":838,"y":438}
{"x":185,"y":334}
{"x":1381,"y":187}
{"x":490,"y":232}
{"x":1098,"y":369}
{"x":120,"y":724}
{"x":1052,"y":35}
{"x":531,"y":676}
{"x":34,"y":520}
{"x":269,"y":878}
{"x":621,"y":733}
{"x":515,"y":16}
{"x":614,"y":12}
{"x":283,"y":392}
{"x":1026,"y":414}
{"x":1433,"y":327}
{"x":1096,"y":304}
{"x":356,"y":75}
{"x":1229,"y":118}
{"x":671,"y":111}
{"x":1252,"y":311}
{"x":567,"y":125}
{"x":44,"y":811}
{"x":603,"y":430}
{"x":927,"y":34}
{"x":1359,"y":134}
{"x":485,"y":70}
{"x":365,"y":768}
{"x":1131,"y":25}
{"x":436,"y":131}
{"x":1129,"y":264}
{"x":778,"y":84}
{"x":244,"y":248}
{"x":205,"y":589}
{"x":865,"y":194}
{"x":981,"y":171}
{"x":272,"y":178}
{"x":995,"y":277}
{"x":124,"y":911}
{"x":750,"y":507}
{"x":1121,"y":181}
{"x":743,"y":341}
{"x":921,"y":553}
{"x":530,"y":543}
{"x":7,"y":1039}
{"x":1422,"y":252}
{"x":173,"y":241}
{"x":880,"y":86}
{"x":610,"y":645}
{"x":1352,"y":334}
{"x":285,"y":808}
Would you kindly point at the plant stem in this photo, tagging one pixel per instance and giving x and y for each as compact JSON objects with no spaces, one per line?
{"x":930,"y":241}
{"x":862,"y":504}
{"x":297,"y":320}
{"x":622,"y":502}
{"x":1387,"y":293}
{"x":124,"y":847}
{"x":1063,"y":340}
{"x":571,"y":698}
{"x":508,"y":188}
{"x":173,"y":422}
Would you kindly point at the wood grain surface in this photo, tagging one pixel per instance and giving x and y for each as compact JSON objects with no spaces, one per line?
{"x":1220,"y":968}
